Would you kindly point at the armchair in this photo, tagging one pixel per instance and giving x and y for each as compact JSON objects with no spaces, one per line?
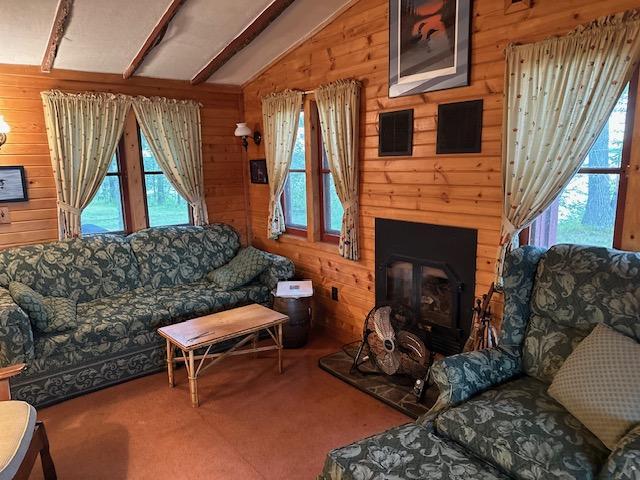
{"x":494,"y":418}
{"x":22,"y":437}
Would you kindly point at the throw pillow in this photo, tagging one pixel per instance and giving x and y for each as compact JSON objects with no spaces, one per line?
{"x":599,"y":384}
{"x":31,"y":302}
{"x":47,"y":314}
{"x":61,"y":314}
{"x":244,"y":267}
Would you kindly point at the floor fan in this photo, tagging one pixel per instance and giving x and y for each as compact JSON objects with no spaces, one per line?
{"x":390,"y":344}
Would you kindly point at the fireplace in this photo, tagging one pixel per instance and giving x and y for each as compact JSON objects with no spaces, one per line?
{"x":430,"y":269}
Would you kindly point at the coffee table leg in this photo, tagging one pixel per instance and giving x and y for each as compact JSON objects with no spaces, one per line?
{"x":170,"y":363}
{"x":193,"y":380}
{"x":280,"y":348}
{"x":254,"y":344}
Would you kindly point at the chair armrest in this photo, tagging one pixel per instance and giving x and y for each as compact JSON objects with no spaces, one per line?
{"x":462,"y":376}
{"x":11,"y":371}
{"x":624,"y":461}
{"x":16,"y":336}
{"x":281,"y":268}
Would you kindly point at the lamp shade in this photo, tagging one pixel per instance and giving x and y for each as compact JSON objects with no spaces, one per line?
{"x":242,"y":130}
{"x":4,"y":126}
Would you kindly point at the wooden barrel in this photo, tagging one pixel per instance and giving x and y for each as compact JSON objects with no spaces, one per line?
{"x":295,"y":333}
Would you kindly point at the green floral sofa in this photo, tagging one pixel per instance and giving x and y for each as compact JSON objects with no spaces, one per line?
{"x":126,"y":287}
{"x":494,"y":418}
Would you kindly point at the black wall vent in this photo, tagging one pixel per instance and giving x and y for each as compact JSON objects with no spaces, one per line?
{"x":395,"y":133}
{"x":460,"y":127}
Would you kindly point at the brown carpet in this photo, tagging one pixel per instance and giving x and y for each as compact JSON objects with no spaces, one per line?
{"x":252,"y":423}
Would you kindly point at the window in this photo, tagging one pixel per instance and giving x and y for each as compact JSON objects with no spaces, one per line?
{"x":105,"y":213}
{"x":294,"y":199}
{"x":330,"y":207}
{"x":309,"y":162}
{"x":165,"y":206}
{"x":589,"y":209}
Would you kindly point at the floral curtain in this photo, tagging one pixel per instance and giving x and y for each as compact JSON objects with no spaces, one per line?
{"x":339,"y":112}
{"x":559,"y":94}
{"x":83,"y":131}
{"x":172,"y":128}
{"x":280,"y":114}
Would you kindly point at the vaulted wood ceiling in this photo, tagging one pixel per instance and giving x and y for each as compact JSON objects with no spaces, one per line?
{"x":218,"y":41}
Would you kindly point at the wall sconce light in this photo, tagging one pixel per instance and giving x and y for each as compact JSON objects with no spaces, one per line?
{"x":243,"y":131}
{"x":4,"y":129}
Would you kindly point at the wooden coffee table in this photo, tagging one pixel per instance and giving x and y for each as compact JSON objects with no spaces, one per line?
{"x":207,"y":331}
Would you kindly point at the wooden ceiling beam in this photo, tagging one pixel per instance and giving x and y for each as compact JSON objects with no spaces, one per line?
{"x":60,"y":22}
{"x":154,"y":38}
{"x":249,"y":34}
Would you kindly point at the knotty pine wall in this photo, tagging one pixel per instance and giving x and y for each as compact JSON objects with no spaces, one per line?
{"x":458,"y":190}
{"x":20,"y":86}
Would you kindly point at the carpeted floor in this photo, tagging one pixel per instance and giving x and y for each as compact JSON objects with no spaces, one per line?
{"x":252,"y":423}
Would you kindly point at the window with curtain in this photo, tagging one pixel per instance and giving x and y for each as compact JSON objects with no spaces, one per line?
{"x":294,"y":198}
{"x":590,"y":208}
{"x":105,"y":213}
{"x":331,"y":210}
{"x":164,"y":205}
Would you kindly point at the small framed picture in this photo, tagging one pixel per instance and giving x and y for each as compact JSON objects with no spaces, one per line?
{"x":13,"y":185}
{"x":259,"y":171}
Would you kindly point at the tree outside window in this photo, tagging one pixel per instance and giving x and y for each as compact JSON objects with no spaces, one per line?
{"x":585,"y":212}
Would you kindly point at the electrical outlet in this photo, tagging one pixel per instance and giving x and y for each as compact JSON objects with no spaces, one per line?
{"x":4,"y":215}
{"x":334,"y":293}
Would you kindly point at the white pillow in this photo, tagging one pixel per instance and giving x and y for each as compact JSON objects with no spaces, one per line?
{"x":599,"y":384}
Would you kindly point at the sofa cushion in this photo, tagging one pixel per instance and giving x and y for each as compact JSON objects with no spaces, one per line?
{"x":575,"y":288}
{"x":82,"y":269}
{"x":520,"y":428}
{"x":108,"y":319}
{"x":244,"y":267}
{"x":197,"y":299}
{"x":406,"y":452}
{"x":47,"y":314}
{"x":547,"y":345}
{"x":600,"y":384}
{"x":170,"y":256}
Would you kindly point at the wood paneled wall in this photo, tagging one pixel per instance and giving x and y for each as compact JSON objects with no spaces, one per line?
{"x":35,"y":221}
{"x":458,"y":190}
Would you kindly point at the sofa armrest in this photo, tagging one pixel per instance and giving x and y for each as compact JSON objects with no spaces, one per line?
{"x":462,"y":376}
{"x":624,"y":460}
{"x":281,"y":268}
{"x":16,"y":336}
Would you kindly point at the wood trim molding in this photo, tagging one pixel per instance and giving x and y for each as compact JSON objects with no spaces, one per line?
{"x":69,"y":78}
{"x":133,"y":176}
{"x":60,"y":22}
{"x":154,"y":38}
{"x":272,"y":12}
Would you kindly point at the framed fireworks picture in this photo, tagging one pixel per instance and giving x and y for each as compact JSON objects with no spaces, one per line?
{"x":429,"y":45}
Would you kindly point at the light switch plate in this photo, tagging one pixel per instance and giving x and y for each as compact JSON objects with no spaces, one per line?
{"x":4,"y":215}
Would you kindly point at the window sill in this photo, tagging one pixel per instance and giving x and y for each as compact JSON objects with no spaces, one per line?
{"x":327,"y":247}
{"x":330,"y":239}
